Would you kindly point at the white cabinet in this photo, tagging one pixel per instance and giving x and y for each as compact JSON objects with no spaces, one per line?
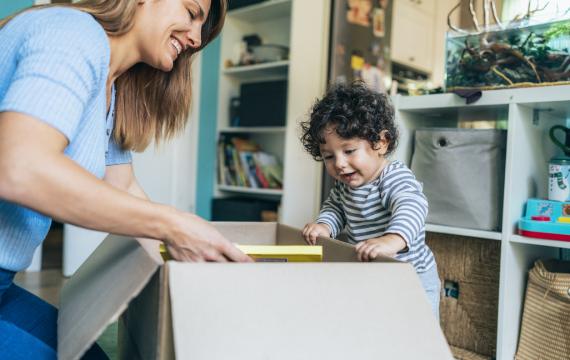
{"x":303,"y":27}
{"x":413,"y":34}
{"x":530,"y":113}
{"x":271,"y":21}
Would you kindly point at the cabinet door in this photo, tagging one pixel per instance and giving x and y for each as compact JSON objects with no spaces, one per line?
{"x":412,"y":35}
{"x":423,"y":6}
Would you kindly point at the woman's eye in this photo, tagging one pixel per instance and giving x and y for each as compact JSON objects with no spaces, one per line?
{"x":192,"y":16}
{"x":349,"y":151}
{"x":327,"y":157}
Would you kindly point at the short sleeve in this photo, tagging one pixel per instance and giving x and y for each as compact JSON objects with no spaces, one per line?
{"x":60,"y":67}
{"x":115,"y":155}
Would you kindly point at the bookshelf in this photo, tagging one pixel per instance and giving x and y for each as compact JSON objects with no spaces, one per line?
{"x":241,"y":190}
{"x":250,"y":158}
{"x":302,"y":26}
{"x":274,"y":69}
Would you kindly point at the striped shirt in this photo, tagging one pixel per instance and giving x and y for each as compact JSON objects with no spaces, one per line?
{"x":391,"y":204}
{"x":54,"y":65}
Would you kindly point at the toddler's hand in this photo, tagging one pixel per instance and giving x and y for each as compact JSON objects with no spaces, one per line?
{"x":313,"y":230}
{"x":368,"y":250}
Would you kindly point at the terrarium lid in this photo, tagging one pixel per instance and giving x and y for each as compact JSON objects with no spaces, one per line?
{"x":560,"y":160}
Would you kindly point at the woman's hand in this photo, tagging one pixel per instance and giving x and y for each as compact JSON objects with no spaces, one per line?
{"x":313,"y":230}
{"x":194,"y":239}
{"x":387,"y":245}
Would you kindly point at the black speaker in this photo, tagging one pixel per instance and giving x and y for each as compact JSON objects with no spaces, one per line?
{"x":263,"y":103}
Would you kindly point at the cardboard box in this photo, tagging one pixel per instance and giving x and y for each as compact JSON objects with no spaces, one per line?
{"x":336,"y":310}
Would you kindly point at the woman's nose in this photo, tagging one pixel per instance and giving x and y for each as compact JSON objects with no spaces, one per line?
{"x":195,"y":36}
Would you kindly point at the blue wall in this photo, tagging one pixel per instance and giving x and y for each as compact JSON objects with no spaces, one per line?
{"x":8,"y":7}
{"x":207,"y":141}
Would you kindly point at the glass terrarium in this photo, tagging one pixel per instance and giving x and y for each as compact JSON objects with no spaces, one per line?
{"x":520,"y":55}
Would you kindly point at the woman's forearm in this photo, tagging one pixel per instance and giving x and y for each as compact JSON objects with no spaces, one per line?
{"x":37,"y":174}
{"x":68,"y":193}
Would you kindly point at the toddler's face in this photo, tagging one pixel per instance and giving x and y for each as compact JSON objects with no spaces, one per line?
{"x":353,"y":161}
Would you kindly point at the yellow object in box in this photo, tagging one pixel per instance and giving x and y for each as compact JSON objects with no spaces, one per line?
{"x":283,"y":253}
{"x":274,"y":253}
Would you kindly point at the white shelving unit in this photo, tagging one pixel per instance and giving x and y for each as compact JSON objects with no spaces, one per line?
{"x":302,"y":26}
{"x":249,"y":130}
{"x":540,"y":242}
{"x":273,"y":69}
{"x":491,"y":235}
{"x":271,"y":20}
{"x":244,"y":190}
{"x":266,"y":10}
{"x":529,"y":113}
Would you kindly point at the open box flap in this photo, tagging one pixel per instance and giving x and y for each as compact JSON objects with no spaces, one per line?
{"x":100,"y":291}
{"x":255,"y":233}
{"x":340,"y":251}
{"x":302,"y":311}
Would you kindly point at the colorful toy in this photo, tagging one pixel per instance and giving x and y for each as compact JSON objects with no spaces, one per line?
{"x":546,"y":219}
{"x":559,"y":166}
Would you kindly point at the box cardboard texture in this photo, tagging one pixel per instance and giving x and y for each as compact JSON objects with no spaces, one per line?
{"x":336,"y":310}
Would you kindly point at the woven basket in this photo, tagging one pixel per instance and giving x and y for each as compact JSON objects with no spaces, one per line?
{"x":545,"y":330}
{"x":462,"y":354}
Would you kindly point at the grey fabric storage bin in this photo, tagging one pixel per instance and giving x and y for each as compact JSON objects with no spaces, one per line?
{"x":462,"y":171}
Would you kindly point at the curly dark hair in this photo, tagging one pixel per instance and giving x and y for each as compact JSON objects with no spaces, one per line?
{"x":354,"y":110}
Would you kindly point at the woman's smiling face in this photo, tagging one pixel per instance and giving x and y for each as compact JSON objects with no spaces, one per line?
{"x":166,"y":28}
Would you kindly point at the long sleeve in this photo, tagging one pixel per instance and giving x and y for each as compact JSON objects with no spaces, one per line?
{"x":408,"y":205}
{"x":332,"y":213}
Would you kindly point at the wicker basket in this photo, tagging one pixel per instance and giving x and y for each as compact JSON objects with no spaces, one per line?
{"x":545,"y":330}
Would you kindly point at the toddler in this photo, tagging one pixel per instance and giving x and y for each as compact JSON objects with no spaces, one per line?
{"x":378,"y":201}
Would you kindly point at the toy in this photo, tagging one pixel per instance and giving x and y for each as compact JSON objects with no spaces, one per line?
{"x":546,"y":219}
{"x":559,"y":166}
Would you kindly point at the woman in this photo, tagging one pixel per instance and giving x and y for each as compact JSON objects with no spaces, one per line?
{"x":82,"y":85}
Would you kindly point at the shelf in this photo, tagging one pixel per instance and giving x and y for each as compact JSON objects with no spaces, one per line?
{"x":541,"y":242}
{"x":491,"y":235}
{"x":244,"y":190}
{"x":263,"y":11}
{"x":249,"y":130}
{"x":277,"y":68}
{"x":546,"y":97}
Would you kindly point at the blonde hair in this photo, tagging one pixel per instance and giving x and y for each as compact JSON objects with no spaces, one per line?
{"x":150,"y":104}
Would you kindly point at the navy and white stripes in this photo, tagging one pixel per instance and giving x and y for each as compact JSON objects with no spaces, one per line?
{"x":393,"y":203}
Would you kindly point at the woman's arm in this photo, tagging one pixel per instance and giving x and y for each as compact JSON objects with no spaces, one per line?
{"x":123,"y":178}
{"x":34,"y":172}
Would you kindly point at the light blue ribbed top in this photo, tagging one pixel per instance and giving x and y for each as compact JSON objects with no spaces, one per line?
{"x":54,"y":65}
